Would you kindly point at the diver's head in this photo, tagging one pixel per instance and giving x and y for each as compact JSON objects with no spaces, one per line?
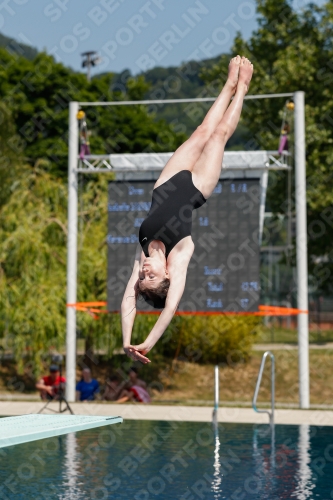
{"x":154,"y":282}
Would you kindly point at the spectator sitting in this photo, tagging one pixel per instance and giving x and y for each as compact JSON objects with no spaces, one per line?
{"x":137,"y":391}
{"x":50,"y":384}
{"x":113,"y":388}
{"x":134,"y":379}
{"x":87,"y":388}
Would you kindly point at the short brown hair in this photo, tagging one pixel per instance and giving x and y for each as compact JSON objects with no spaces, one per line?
{"x":154,"y":297}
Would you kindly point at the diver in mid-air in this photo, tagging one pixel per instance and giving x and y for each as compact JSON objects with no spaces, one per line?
{"x":185,"y":183}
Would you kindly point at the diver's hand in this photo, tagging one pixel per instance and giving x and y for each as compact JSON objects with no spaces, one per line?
{"x":136,"y":354}
{"x":143,"y":348}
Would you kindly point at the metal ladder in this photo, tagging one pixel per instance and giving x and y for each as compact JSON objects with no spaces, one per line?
{"x":255,"y":396}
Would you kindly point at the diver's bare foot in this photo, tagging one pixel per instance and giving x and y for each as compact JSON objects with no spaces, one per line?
{"x":245,"y":73}
{"x":233,"y":72}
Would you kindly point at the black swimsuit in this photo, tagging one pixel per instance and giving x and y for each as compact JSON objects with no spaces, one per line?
{"x":170,"y":217}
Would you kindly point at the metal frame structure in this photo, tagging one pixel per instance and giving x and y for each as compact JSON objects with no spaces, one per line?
{"x":104,"y":163}
{"x":150,"y":162}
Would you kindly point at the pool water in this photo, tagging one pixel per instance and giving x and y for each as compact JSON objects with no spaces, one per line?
{"x":144,"y":460}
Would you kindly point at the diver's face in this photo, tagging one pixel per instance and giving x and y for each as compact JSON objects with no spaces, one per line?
{"x":152,"y":273}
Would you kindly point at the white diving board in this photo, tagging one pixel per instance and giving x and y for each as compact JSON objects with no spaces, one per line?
{"x":25,"y":428}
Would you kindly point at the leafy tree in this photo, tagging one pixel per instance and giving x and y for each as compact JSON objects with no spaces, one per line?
{"x":33,"y":235}
{"x":210,"y":339}
{"x":292,"y":50}
{"x":38,"y":92}
{"x":10,"y":154}
{"x":32,"y":264}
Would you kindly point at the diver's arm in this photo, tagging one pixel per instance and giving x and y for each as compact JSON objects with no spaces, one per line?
{"x":128,"y":305}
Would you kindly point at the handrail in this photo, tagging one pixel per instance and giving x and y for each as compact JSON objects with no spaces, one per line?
{"x":255,"y":396}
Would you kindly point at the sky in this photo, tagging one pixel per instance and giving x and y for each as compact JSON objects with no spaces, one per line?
{"x":129,"y":34}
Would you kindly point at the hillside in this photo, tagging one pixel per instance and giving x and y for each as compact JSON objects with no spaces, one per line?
{"x":15,"y":47}
{"x":174,"y":82}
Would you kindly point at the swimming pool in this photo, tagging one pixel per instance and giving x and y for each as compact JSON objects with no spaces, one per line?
{"x":143,"y":460}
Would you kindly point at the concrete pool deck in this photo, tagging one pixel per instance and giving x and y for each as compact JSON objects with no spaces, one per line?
{"x":176,"y":413}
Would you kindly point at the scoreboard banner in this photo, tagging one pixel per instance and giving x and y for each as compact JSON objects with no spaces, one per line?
{"x":223,"y":274}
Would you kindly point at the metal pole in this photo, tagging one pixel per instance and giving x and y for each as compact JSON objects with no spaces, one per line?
{"x":88,"y":69}
{"x":301,"y":248}
{"x":263,"y":184}
{"x":73,"y":146}
{"x":179,"y":101}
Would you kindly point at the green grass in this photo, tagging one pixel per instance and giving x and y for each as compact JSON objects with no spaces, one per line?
{"x":190,"y":382}
{"x":272,"y":335}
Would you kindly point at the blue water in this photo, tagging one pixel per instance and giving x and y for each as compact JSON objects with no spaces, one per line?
{"x":144,"y":460}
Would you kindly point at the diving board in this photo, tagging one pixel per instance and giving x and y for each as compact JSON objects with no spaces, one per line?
{"x":26,"y":428}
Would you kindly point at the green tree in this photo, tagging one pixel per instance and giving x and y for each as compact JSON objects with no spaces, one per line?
{"x":11,"y":153}
{"x":33,"y":236}
{"x":32,"y":264}
{"x":38,"y":92}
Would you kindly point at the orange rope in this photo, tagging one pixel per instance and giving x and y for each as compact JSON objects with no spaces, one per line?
{"x":90,"y":308}
{"x":86,"y":304}
{"x":264,"y":310}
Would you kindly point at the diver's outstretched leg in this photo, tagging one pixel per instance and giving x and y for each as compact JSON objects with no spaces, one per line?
{"x":189,"y":153}
{"x":207,"y":169}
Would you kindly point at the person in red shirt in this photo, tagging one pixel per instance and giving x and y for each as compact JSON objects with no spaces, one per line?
{"x":50,"y":384}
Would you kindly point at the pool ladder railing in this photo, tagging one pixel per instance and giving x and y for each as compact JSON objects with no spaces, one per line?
{"x":256,"y":392}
